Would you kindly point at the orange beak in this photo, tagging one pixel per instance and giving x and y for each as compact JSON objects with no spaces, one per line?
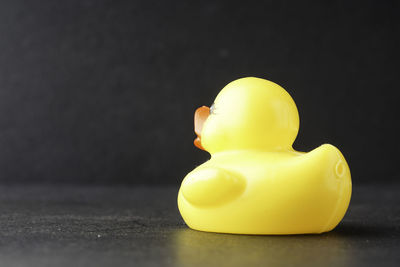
{"x":200,"y":116}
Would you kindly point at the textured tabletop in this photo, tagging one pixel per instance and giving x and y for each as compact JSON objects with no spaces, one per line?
{"x":141,"y":226}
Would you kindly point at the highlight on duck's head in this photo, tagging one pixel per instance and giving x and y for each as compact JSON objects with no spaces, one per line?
{"x":248,"y":113}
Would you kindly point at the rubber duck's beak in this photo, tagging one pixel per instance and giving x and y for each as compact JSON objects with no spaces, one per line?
{"x":200,"y":116}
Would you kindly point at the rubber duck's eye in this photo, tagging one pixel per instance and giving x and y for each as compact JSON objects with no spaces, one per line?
{"x":212,"y":109}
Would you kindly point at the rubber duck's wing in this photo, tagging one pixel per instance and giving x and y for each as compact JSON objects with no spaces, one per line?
{"x":212,"y":186}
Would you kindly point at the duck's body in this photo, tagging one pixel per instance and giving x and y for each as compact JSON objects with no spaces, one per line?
{"x":253,"y":192}
{"x":264,"y":189}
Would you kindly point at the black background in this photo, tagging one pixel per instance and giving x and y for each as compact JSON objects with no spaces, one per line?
{"x":104,"y":91}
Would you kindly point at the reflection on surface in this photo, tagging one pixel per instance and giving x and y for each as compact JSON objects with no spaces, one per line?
{"x":211,"y":249}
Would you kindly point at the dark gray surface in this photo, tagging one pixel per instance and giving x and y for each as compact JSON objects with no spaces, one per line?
{"x":141,"y":226}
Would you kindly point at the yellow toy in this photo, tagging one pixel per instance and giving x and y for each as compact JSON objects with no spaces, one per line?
{"x":255,"y":182}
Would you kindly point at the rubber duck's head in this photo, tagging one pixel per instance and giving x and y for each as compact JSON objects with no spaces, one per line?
{"x":248,"y":113}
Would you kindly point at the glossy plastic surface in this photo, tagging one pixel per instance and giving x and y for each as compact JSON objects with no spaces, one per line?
{"x":255,"y":183}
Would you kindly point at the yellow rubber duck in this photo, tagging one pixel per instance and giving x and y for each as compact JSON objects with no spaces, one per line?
{"x":255,"y":182}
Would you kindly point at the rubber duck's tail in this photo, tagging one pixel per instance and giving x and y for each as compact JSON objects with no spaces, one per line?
{"x":340,"y":169}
